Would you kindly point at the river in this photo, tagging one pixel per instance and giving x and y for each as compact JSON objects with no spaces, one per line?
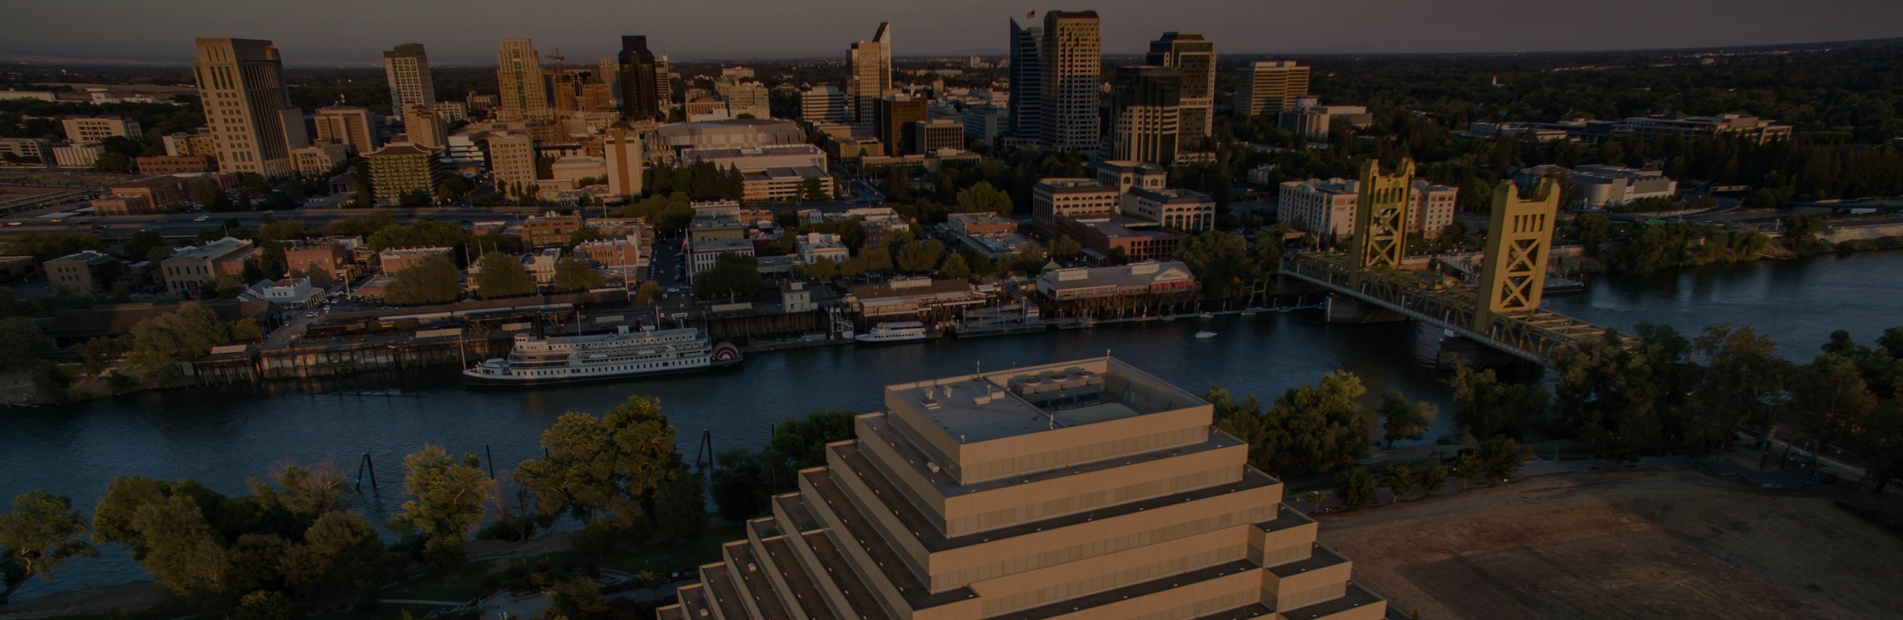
{"x":222,"y":439}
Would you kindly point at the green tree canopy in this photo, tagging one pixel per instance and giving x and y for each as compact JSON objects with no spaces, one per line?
{"x":451,"y":496}
{"x":1401,"y":419}
{"x":1484,"y":407}
{"x":606,"y":467}
{"x":503,"y":276}
{"x":436,"y":281}
{"x":733,"y":276}
{"x":576,"y":273}
{"x":160,"y":342}
{"x":41,"y":533}
{"x":46,"y":246}
{"x":982,"y":196}
{"x":25,"y":346}
{"x":424,"y":233}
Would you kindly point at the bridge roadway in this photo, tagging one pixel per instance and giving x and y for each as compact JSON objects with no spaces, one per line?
{"x":1537,"y":336}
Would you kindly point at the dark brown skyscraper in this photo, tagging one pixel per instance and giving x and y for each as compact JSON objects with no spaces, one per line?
{"x":640,"y":94}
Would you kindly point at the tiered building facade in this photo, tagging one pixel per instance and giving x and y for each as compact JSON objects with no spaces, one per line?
{"x":1085,"y":489}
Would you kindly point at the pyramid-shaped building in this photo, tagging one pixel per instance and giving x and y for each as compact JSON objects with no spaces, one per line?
{"x":1086,"y":489}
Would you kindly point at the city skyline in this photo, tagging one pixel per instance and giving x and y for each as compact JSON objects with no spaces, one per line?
{"x":119,"y":31}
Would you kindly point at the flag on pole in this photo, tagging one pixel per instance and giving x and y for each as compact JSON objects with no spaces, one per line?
{"x":1030,"y":15}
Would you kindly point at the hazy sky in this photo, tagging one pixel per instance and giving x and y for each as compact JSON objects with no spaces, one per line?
{"x":467,"y":31}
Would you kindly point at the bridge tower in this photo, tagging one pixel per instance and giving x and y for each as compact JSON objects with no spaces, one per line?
{"x":1519,"y":240}
{"x":1381,"y":217}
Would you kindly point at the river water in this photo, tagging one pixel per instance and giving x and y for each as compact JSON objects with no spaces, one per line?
{"x":222,"y":439}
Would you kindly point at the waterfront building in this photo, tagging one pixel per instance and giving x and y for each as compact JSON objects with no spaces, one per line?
{"x":1601,"y":186}
{"x":521,"y":82}
{"x":191,"y":268}
{"x":1269,"y":86}
{"x":1072,"y":70}
{"x":915,"y":298}
{"x":83,"y":273}
{"x":1027,"y":84}
{"x":1195,"y":59}
{"x":247,"y":105}
{"x":1681,"y":126}
{"x":1145,"y":115}
{"x":1070,"y":197}
{"x":1106,"y":236}
{"x":1180,"y":209}
{"x":402,"y":169}
{"x":406,"y":68}
{"x":98,"y":128}
{"x":869,"y":77}
{"x":1079,"y":489}
{"x":355,"y":127}
{"x":1146,"y":277}
{"x":78,"y":154}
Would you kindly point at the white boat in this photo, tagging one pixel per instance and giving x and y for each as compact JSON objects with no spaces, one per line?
{"x":900,"y":331}
{"x":567,"y":359}
{"x":1249,"y":311}
{"x":1206,"y":315}
{"x":1205,"y":334}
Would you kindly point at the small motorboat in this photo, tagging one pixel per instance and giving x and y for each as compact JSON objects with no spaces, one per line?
{"x":1205,"y":334}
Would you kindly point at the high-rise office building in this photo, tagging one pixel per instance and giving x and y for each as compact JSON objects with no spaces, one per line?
{"x":1269,"y":86}
{"x":1195,"y":57}
{"x":1145,"y":115}
{"x":350,"y":126}
{"x":663,"y":84}
{"x":241,"y":88}
{"x":609,"y":70}
{"x":1026,"y":80}
{"x":407,"y":69}
{"x":870,"y":73}
{"x":641,"y":97}
{"x":425,"y":128}
{"x":521,"y":82}
{"x":892,"y":118}
{"x":511,"y":158}
{"x":823,"y":104}
{"x":1079,"y":489}
{"x":1072,"y":57}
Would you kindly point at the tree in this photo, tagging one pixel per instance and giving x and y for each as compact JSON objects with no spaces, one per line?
{"x":1325,"y":427}
{"x":264,"y":605}
{"x":1742,"y":385}
{"x":424,"y":233}
{"x":1397,"y":478}
{"x":583,"y":235}
{"x":812,"y":189}
{"x":1357,"y":487}
{"x":1500,"y":457}
{"x":450,"y":499}
{"x":920,"y":256}
{"x":1467,"y":465}
{"x":436,"y":281}
{"x":577,"y":274}
{"x":576,"y":598}
{"x":648,"y":293}
{"x":1828,"y":396}
{"x":1434,"y":477}
{"x":1591,"y":230}
{"x":1485,"y":408}
{"x":342,"y":557}
{"x":1401,"y":419}
{"x":745,"y":481}
{"x":415,"y":198}
{"x":1878,"y":442}
{"x":681,"y":504}
{"x":1066,"y":247}
{"x":160,"y":342}
{"x":1221,"y":262}
{"x":26,"y":347}
{"x":603,"y":467}
{"x":208,"y":195}
{"x":503,"y":276}
{"x":41,"y":533}
{"x":743,"y":484}
{"x":981,"y":197}
{"x":955,"y":267}
{"x":823,"y":269}
{"x":45,"y":246}
{"x":733,"y":277}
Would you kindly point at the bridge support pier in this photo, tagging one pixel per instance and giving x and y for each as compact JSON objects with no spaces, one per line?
{"x":1345,"y":309}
